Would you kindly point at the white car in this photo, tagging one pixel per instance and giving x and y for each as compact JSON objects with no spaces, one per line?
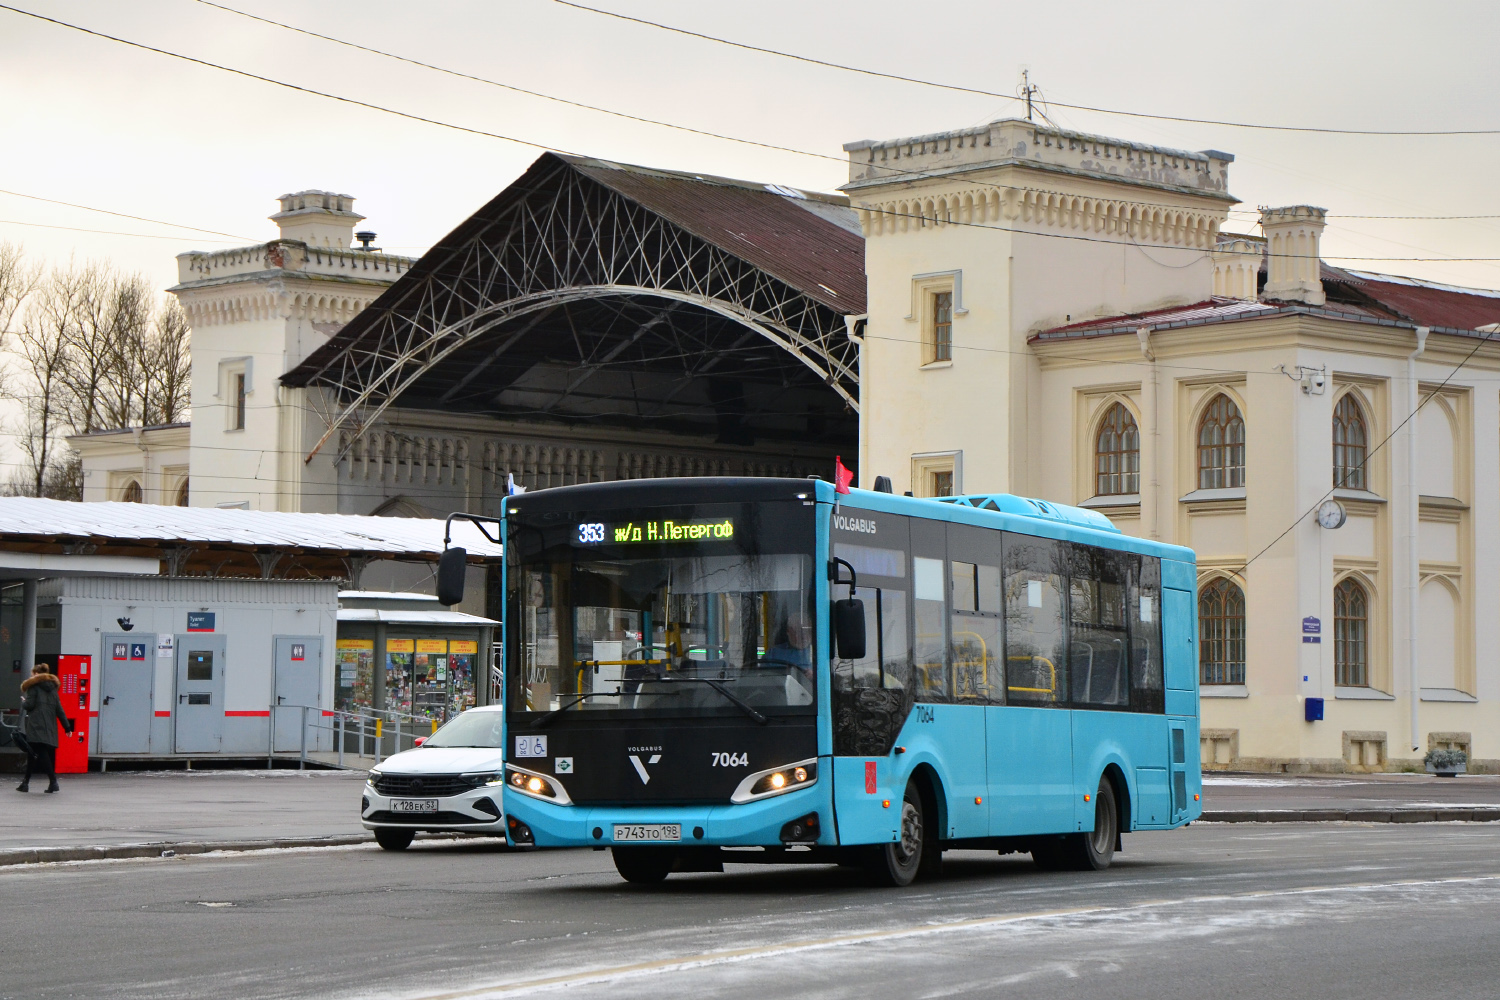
{"x":451,"y":782}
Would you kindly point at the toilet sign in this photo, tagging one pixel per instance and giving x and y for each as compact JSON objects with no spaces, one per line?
{"x":1312,"y":630}
{"x":200,"y":621}
{"x":299,"y":651}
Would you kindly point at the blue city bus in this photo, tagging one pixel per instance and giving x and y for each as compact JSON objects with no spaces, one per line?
{"x":711,"y":670}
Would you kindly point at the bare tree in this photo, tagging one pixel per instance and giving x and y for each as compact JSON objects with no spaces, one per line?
{"x":93,"y":351}
{"x":18,"y":279}
{"x":167,"y":367}
{"x":44,"y":347}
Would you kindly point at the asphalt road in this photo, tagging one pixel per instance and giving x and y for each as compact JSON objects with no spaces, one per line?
{"x":147,"y":807}
{"x":1227,"y":911}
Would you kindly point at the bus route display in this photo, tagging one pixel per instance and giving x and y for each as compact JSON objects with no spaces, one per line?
{"x":711,"y":530}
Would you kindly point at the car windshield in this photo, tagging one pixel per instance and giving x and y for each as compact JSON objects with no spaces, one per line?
{"x":471,"y":729}
{"x":691,"y":627}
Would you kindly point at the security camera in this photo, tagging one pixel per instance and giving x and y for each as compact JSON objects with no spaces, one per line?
{"x":1314,"y":382}
{"x":124,"y":624}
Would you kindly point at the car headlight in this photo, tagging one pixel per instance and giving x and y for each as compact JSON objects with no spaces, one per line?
{"x":479,"y":779}
{"x":542,"y":786}
{"x":777,"y":781}
{"x":372,"y":777}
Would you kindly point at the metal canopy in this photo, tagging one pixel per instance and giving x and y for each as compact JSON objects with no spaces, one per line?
{"x":590,"y":292}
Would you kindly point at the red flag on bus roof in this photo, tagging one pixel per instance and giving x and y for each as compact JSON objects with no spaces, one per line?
{"x":842,"y":477}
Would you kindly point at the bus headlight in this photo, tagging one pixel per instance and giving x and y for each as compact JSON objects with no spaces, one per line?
{"x":541,"y":786}
{"x":777,"y":781}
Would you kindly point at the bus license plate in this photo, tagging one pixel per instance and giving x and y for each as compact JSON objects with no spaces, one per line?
{"x":647,"y":833}
{"x":414,"y":805}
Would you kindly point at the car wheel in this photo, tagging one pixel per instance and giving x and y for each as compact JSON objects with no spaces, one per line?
{"x":644,"y":865}
{"x":394,"y":839}
{"x":897,"y":863}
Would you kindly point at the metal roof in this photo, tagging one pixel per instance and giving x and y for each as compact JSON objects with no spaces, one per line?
{"x":810,"y":240}
{"x":345,"y":534}
{"x":595,"y":294}
{"x":399,"y":617}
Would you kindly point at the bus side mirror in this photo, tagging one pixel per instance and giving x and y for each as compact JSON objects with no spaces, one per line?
{"x":452,"y":568}
{"x":849,"y":629}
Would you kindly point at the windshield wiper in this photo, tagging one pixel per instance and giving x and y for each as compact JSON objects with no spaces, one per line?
{"x":578,"y":699}
{"x":719,"y":687}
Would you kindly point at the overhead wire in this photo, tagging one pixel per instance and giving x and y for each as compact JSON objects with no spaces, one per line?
{"x":519,"y":90}
{"x":1383,"y":442}
{"x":109,"y":232}
{"x":512,"y":139}
{"x":122,"y":215}
{"x":566,"y":152}
{"x":1012,"y":97}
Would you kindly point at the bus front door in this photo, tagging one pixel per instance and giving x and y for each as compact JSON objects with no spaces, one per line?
{"x":1030,"y":754}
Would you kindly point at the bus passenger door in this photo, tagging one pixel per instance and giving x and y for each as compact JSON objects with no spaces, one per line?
{"x":1030,"y":770}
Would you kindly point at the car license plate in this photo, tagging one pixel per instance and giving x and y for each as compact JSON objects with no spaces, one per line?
{"x":647,"y":833}
{"x":414,"y":805}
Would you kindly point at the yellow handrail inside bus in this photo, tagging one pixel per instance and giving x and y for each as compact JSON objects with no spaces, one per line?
{"x":1030,"y":690}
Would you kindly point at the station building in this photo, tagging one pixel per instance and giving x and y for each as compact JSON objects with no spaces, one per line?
{"x":1062,"y":315}
{"x":1006,"y":308}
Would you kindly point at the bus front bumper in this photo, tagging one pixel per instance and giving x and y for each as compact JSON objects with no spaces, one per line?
{"x":751,"y":824}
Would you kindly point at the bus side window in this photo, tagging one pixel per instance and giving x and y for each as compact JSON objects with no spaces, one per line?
{"x":1145,"y":637}
{"x":895,"y":657}
{"x":978,"y":661}
{"x":1098,"y":641}
{"x":1035,"y":572}
{"x":931,"y":644}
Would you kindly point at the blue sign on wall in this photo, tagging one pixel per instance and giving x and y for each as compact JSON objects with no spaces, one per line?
{"x":200,"y":621}
{"x":1312,"y":626}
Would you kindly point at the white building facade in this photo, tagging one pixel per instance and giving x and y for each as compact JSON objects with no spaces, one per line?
{"x":1059,"y":315}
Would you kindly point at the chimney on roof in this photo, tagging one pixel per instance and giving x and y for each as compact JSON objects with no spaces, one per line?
{"x":1237,"y":266}
{"x":318,"y":218}
{"x":1293,"y":265}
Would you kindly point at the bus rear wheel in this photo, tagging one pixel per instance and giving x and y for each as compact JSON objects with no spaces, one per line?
{"x":897,"y":863}
{"x":644,"y":865}
{"x":1083,"y":852}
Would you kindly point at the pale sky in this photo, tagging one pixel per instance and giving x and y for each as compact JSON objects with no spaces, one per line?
{"x":92,"y":121}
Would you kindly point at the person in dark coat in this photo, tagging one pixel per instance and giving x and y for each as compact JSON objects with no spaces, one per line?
{"x":44,"y":713}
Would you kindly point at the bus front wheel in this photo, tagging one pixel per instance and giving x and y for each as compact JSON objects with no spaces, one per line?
{"x":644,"y":865}
{"x":897,"y":863}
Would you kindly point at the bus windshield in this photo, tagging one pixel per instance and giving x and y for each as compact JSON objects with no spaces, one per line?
{"x":692,"y":612}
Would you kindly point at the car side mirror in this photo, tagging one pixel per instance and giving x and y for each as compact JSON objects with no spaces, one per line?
{"x":452,"y":568}
{"x":849,"y":628}
{"x":418,"y":742}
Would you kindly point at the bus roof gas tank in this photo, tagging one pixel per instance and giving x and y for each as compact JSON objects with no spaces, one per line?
{"x":1006,"y":503}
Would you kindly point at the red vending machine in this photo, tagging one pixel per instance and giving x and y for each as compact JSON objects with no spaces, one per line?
{"x":73,"y":750}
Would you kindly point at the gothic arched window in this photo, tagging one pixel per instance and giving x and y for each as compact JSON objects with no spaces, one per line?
{"x":1221,"y":445}
{"x":1221,"y":633}
{"x":1117,"y":454}
{"x":1351,"y":634}
{"x":132,"y":492}
{"x":1350,"y":445}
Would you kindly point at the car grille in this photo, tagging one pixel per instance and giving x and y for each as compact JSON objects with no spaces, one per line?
{"x":426,"y":819}
{"x":418,"y":786}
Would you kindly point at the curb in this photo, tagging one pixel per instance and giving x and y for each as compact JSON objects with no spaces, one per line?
{"x":1481,"y":814}
{"x":42,"y":855}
